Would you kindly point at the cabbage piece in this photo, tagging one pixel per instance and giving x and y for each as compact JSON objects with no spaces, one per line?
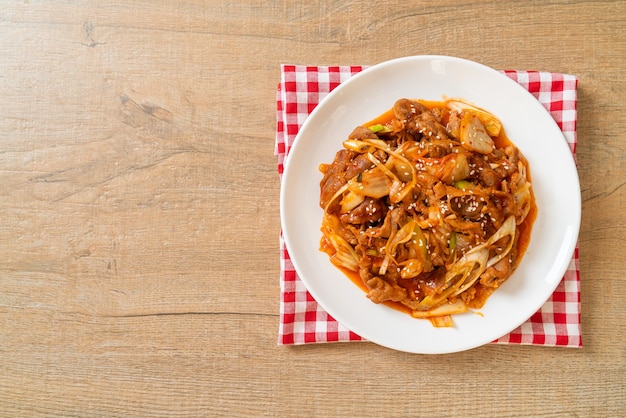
{"x":402,"y":169}
{"x":523,"y":199}
{"x":372,"y":183}
{"x":522,"y":195}
{"x":446,"y":309}
{"x":411,"y":268}
{"x":345,"y":256}
{"x":357,"y":145}
{"x":379,"y":144}
{"x":460,"y":169}
{"x":449,"y":169}
{"x":403,"y":235}
{"x":419,"y":261}
{"x":441,"y":316}
{"x":492,"y":124}
{"x":350,"y":201}
{"x":399,"y":189}
{"x":474,"y":136}
{"x":507,"y":229}
{"x":442,"y":321}
{"x":388,"y":228}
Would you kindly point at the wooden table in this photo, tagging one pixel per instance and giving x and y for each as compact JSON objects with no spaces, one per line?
{"x":140,"y":220}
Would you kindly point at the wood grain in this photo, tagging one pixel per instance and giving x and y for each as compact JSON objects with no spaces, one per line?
{"x":139,"y":197}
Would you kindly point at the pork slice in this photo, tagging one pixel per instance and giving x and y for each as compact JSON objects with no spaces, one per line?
{"x":361,"y":132}
{"x":334,"y":178}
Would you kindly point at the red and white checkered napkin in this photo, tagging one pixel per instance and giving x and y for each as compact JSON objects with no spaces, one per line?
{"x":303,"y":321}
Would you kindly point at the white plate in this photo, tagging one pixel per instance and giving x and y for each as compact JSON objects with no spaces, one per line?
{"x":527,"y":124}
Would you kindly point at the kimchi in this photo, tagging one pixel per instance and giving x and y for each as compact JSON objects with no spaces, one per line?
{"x":428,"y":208}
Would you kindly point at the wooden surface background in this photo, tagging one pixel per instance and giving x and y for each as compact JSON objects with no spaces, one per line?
{"x":139,"y":205}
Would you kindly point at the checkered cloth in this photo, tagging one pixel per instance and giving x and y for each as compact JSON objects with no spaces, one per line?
{"x":303,"y":321}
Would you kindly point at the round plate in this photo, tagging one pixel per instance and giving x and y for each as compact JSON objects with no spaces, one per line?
{"x":527,"y":124}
